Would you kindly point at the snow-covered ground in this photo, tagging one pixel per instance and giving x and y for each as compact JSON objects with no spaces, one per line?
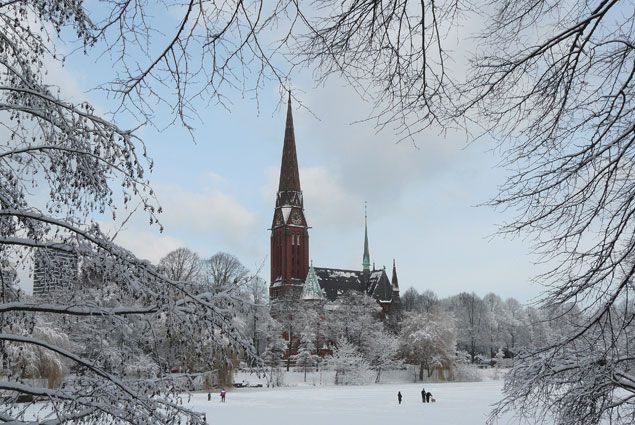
{"x":456,"y":404}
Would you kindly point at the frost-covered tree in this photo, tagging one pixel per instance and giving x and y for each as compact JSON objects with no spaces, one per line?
{"x":496,"y":314}
{"x":257,"y":313}
{"x":62,"y":166}
{"x":350,"y":366}
{"x":428,"y":340}
{"x":224,"y":271}
{"x":181,"y":265}
{"x":380,"y":350}
{"x":516,"y":327}
{"x":471,"y":322}
{"x":274,"y":354}
{"x":354,"y":316}
{"x":413,"y":301}
{"x":306,"y":356}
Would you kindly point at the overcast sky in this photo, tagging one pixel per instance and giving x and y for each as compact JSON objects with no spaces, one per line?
{"x":218,"y":191}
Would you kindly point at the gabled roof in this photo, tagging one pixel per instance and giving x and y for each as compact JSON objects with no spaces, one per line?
{"x":379,"y":286}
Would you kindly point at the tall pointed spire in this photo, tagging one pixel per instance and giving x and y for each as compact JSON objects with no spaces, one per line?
{"x":289,"y":228}
{"x":394,"y":281}
{"x":289,"y":175}
{"x":366,"y":259}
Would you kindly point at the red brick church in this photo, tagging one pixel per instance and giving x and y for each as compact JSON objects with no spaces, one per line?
{"x":290,"y":271}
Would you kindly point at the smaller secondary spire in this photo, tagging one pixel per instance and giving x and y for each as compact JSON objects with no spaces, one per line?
{"x":366,"y":258}
{"x":395,"y":281}
{"x":311,"y":289}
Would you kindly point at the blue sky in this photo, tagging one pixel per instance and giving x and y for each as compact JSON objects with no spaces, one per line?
{"x":218,"y":190}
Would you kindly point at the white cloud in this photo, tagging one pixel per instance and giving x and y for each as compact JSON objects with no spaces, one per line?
{"x":147,"y":244}
{"x":207,"y":211}
{"x":205,"y":220}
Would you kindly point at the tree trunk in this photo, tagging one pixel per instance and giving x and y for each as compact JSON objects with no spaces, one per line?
{"x":421,"y":371}
{"x":289,"y":347}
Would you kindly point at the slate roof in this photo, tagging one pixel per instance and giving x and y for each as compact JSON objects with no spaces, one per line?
{"x":335,"y":282}
{"x":379,"y":286}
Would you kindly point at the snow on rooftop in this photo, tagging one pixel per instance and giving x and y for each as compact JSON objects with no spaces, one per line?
{"x":341,"y":273}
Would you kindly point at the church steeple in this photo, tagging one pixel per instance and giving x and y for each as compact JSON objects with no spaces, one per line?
{"x":289,"y":229}
{"x":366,"y":259}
{"x":394,"y":281}
{"x":289,"y":174}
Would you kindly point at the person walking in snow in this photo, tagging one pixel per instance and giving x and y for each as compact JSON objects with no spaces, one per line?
{"x":399,"y":397}
{"x":428,"y":396}
{"x":423,"y":395}
{"x":209,"y":396}
{"x":222,"y":395}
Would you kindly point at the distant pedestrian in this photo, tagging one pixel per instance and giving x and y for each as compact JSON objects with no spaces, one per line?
{"x":423,"y":395}
{"x":222,"y":395}
{"x":428,"y":397}
{"x":399,"y":397}
{"x":209,"y":396}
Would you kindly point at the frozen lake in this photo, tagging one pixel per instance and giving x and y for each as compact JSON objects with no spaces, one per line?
{"x":457,"y":404}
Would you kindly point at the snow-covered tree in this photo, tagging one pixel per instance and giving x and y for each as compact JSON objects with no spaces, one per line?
{"x":181,"y":265}
{"x":257,"y":311}
{"x":500,"y":355}
{"x":306,"y":356}
{"x":274,"y":354}
{"x":63,"y":165}
{"x":354,"y":316}
{"x":471,"y":322}
{"x":496,"y":313}
{"x":380,"y":350}
{"x":350,"y":366}
{"x":413,"y":301}
{"x":428,"y":340}
{"x":224,"y":271}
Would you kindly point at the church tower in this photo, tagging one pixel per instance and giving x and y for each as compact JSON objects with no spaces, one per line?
{"x":289,"y":230}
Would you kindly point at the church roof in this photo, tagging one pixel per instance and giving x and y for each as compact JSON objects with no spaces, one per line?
{"x":311,"y":289}
{"x":289,"y":175}
{"x":379,"y":286}
{"x":335,"y":282}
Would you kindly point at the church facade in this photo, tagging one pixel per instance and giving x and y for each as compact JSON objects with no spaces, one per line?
{"x":291,"y":274}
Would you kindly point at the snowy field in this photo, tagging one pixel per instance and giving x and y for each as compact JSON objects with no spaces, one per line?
{"x":457,"y":404}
